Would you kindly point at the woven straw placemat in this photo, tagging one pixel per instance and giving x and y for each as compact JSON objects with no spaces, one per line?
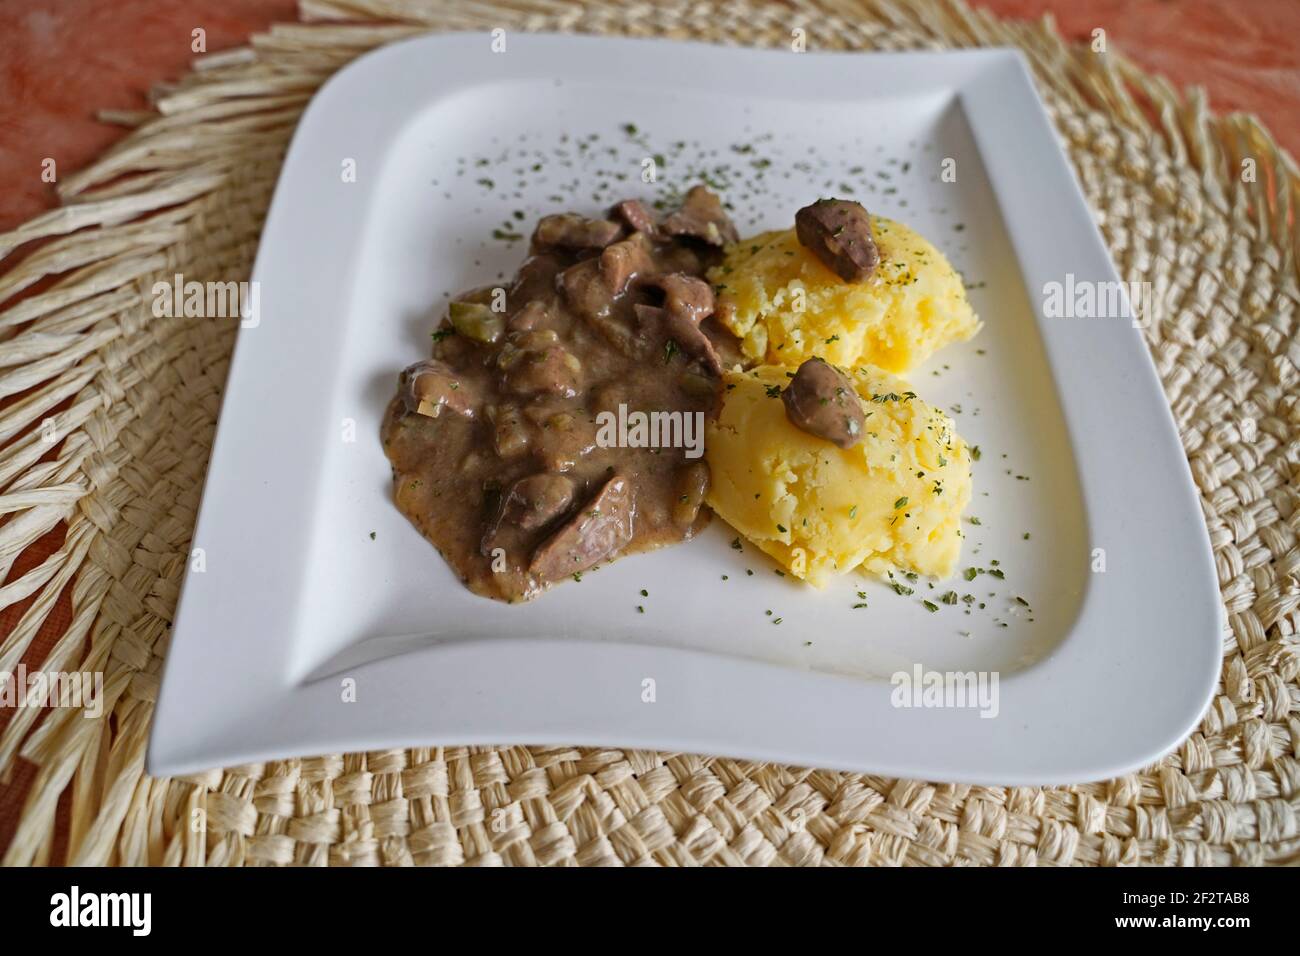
{"x":134,"y":402}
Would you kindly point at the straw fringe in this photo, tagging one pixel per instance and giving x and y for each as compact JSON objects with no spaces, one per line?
{"x":137,"y":401}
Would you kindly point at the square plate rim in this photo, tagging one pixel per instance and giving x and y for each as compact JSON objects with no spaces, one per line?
{"x":191,"y":718}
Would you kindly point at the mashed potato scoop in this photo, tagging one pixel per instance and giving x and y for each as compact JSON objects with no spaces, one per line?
{"x":890,"y":304}
{"x":891,"y":500}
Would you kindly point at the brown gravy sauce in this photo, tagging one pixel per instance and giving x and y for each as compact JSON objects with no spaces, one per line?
{"x":504,"y":445}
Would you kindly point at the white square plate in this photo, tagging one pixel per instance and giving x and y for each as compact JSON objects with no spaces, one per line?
{"x":300,"y":607}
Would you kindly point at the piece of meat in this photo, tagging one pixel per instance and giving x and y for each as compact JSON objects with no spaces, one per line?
{"x":607,"y":396}
{"x":691,"y":488}
{"x":529,"y":505}
{"x":537,"y":500}
{"x":430,"y":386}
{"x":532,"y":316}
{"x":623,"y":261}
{"x":600,"y":529}
{"x":680,"y":257}
{"x":554,"y":371}
{"x":563,"y":441}
{"x":702,"y":217}
{"x":724,"y":343}
{"x":659,"y":325}
{"x":838,"y":232}
{"x":585,"y":290}
{"x":684,"y":295}
{"x":589,"y":297}
{"x":591,"y":286}
{"x":687,"y":301}
{"x":821,"y":401}
{"x":637,"y":216}
{"x":510,"y":432}
{"x":570,"y":231}
{"x":533,"y":502}
{"x":535,"y":280}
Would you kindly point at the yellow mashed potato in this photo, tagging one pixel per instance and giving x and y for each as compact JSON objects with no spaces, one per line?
{"x":892,"y":501}
{"x":786,"y":306}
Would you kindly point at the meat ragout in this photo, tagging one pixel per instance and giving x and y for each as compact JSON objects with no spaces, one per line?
{"x":494,"y":440}
{"x":499,"y":443}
